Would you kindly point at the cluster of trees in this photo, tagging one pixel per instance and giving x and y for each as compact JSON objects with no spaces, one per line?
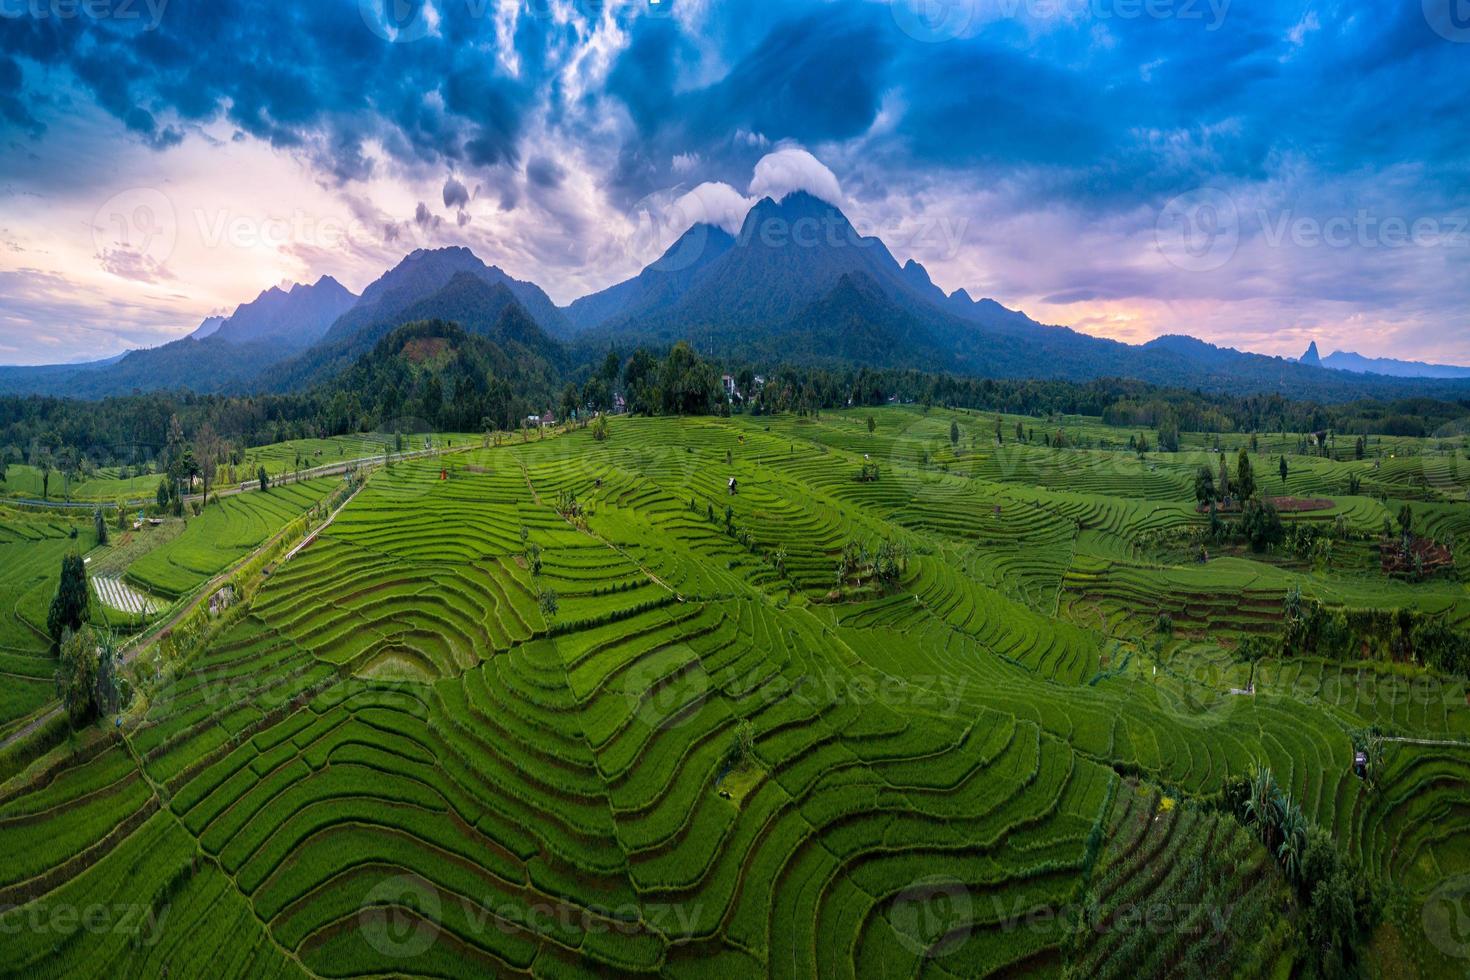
{"x":884,"y":564}
{"x":1259,"y":524}
{"x":1406,"y":635}
{"x":87,"y":660}
{"x":435,"y":372}
{"x":1338,"y":903}
{"x":438,"y":375}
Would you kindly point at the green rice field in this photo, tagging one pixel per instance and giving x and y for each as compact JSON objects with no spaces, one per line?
{"x":573,"y":708}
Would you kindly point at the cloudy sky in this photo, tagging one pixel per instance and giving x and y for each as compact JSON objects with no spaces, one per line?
{"x":1256,"y":174}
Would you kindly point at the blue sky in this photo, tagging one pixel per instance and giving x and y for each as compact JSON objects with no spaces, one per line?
{"x":1258,"y":174}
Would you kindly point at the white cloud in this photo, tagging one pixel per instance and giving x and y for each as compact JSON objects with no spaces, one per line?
{"x":793,"y":169}
{"x":713,"y":203}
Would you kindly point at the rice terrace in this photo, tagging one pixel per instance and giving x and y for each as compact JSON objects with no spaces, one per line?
{"x":905,"y":702}
{"x":813,"y":490}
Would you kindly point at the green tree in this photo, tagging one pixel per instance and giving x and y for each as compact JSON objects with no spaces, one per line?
{"x":688,"y":384}
{"x":599,"y":429}
{"x":1406,"y":524}
{"x":954,"y":433}
{"x":1262,"y":809}
{"x":612,"y":366}
{"x":1293,"y":833}
{"x":1284,"y":471}
{"x":596,"y":395}
{"x":872,"y":424}
{"x":264,"y":478}
{"x":107,"y":689}
{"x":99,"y":524}
{"x":1261,"y":524}
{"x":44,"y":464}
{"x":1245,"y":480}
{"x":550,"y":604}
{"x":1169,"y":435}
{"x":1204,"y":486}
{"x":76,"y":675}
{"x":569,"y":401}
{"x":207,"y":450}
{"x":69,"y":606}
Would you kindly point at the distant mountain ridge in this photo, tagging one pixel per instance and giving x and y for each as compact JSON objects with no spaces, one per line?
{"x":658,"y":286}
{"x":208,"y":328}
{"x":800,"y":283}
{"x":1385,"y":366}
{"x":428,"y":284}
{"x":797,"y":284}
{"x":297,"y":317}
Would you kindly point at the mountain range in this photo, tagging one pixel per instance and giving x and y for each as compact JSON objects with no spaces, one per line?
{"x":798,"y":283}
{"x":1387,"y":366}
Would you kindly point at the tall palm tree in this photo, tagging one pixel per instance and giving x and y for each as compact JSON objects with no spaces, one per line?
{"x":1262,"y":806}
{"x":1293,"y":839}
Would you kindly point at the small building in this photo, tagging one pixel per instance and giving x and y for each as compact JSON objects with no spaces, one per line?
{"x":619,"y":405}
{"x":734,"y":486}
{"x":1360,"y":763}
{"x":727,"y":381}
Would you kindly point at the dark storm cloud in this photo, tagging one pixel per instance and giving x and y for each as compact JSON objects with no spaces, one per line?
{"x":1062,"y":120}
{"x":308,"y":77}
{"x":545,"y":172}
{"x":455,"y":194}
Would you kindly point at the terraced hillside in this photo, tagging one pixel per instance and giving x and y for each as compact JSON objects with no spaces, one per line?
{"x":30,"y":558}
{"x":575,"y":708}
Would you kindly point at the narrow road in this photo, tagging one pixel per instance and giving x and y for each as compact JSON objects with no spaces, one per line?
{"x":136,"y":645}
{"x":326,"y":469}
